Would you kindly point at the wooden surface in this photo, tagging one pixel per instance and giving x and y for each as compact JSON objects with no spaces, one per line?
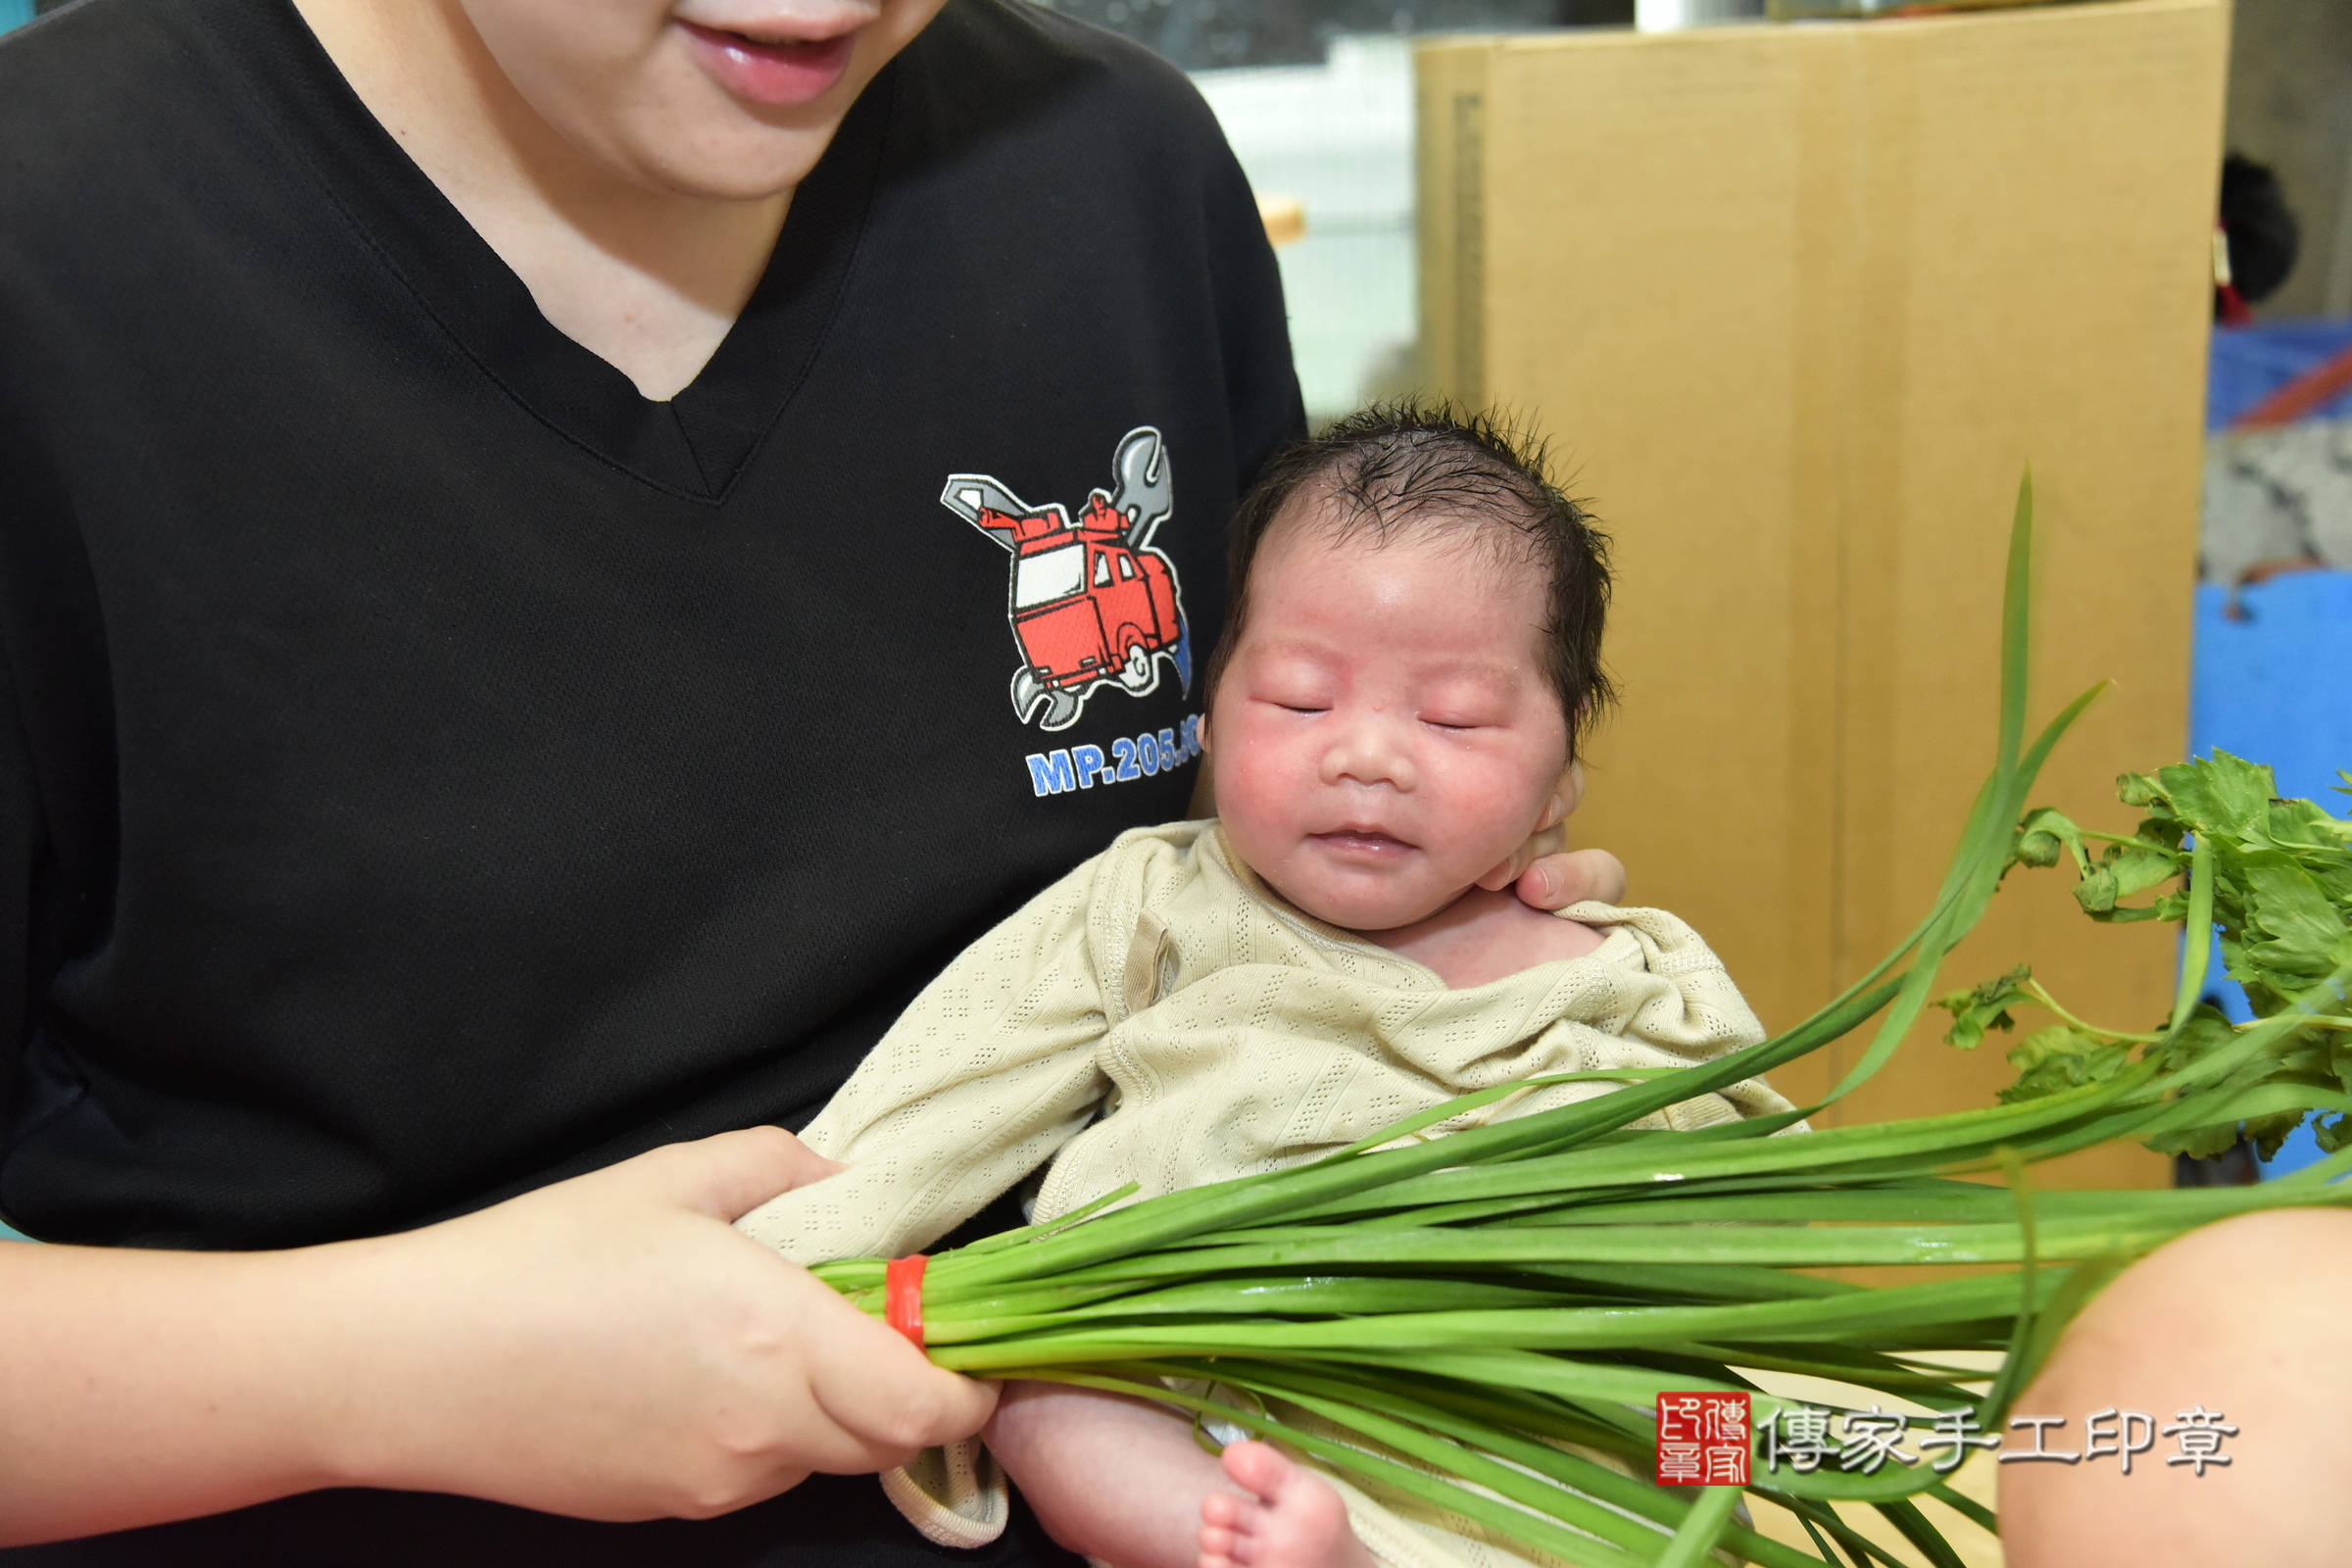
{"x":1796,"y":306}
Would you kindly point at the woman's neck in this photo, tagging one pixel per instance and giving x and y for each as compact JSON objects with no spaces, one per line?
{"x":648,"y":281}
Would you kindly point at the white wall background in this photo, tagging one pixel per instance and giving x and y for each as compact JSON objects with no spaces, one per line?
{"x":1339,"y":137}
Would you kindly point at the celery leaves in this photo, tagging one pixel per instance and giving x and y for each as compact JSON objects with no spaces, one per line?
{"x":2282,"y":909}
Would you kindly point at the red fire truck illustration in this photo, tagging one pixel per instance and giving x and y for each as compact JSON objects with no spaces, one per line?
{"x":1092,"y":603}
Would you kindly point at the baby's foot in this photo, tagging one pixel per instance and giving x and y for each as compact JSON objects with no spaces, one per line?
{"x":1290,"y":1519}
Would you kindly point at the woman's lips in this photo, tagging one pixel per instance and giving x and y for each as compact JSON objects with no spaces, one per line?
{"x":783,"y":72}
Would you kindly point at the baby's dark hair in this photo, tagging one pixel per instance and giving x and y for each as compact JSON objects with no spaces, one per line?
{"x":1401,"y":466}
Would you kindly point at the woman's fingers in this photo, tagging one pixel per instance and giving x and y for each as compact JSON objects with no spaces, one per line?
{"x":1548,"y":875}
{"x":1558,"y":880}
{"x":1545,"y":873}
{"x":729,"y":1175}
{"x":1545,"y":843}
{"x":882,"y":1395}
{"x":612,"y":1347}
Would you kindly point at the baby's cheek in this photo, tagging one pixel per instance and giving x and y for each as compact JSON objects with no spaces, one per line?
{"x":1256,"y":792}
{"x":1488,"y":811}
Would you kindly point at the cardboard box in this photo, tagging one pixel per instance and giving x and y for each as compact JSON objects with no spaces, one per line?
{"x":1796,"y":306}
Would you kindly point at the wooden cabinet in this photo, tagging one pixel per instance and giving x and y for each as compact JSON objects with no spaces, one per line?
{"x":1796,"y":306}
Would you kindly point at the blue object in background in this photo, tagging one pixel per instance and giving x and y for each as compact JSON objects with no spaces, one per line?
{"x":2277,"y":687}
{"x":15,"y":13}
{"x":2251,"y":364}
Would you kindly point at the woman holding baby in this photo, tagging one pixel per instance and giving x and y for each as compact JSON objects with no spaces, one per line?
{"x":526,"y":529}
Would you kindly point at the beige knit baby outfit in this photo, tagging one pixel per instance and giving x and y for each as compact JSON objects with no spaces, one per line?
{"x":1158,"y":1016}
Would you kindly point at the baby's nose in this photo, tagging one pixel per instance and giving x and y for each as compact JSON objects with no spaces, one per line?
{"x":1370,"y":750}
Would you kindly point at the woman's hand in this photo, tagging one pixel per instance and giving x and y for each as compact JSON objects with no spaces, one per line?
{"x":649,"y":1360}
{"x":1546,"y":873}
{"x":607,"y":1346}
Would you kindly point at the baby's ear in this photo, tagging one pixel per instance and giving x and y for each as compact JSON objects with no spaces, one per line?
{"x":1204,"y":781}
{"x":1565,"y":797}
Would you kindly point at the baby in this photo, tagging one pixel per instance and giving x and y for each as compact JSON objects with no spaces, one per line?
{"x":1412,"y":656}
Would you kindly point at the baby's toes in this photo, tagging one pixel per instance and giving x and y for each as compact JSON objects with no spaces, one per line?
{"x":1260,"y":1468}
{"x":1226,"y":1523}
{"x":1296,"y":1519}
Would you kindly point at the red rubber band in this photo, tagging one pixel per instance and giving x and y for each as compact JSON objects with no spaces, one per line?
{"x":902,"y":1297}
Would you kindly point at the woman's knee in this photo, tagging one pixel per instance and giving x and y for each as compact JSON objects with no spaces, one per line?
{"x":2249,"y":1319}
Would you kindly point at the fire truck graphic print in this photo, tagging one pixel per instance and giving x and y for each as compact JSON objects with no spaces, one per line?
{"x":1092,"y":603}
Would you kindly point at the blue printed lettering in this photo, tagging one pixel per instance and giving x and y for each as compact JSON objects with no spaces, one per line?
{"x":1132,"y":757}
{"x":1051,"y":775}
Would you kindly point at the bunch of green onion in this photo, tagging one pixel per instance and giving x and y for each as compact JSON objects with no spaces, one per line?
{"x":1481,"y":1312}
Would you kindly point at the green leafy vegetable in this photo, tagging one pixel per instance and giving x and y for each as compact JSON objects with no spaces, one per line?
{"x":2282,"y":907}
{"x":1984,"y":1008}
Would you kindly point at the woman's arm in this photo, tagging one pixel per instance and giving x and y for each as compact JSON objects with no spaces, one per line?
{"x":2243,"y":1320}
{"x":607,"y":1347}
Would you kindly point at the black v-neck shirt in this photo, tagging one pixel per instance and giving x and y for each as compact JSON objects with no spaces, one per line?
{"x":428,"y":768}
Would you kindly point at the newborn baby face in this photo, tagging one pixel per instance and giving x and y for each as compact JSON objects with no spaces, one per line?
{"x":1383,"y":735}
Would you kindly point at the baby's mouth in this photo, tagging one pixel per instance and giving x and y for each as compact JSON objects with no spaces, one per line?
{"x":1364,"y":841}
